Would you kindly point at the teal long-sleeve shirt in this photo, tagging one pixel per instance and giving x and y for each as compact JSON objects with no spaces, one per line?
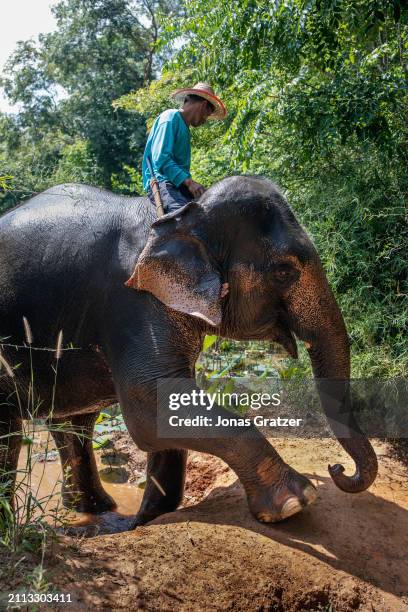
{"x":168,"y":147}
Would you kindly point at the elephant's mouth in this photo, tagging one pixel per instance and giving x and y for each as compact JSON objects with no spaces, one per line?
{"x":280,"y":334}
{"x":287,"y":340}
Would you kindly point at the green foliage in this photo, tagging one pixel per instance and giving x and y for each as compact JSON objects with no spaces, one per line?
{"x":208,"y":342}
{"x":66,"y":128}
{"x":77,"y":164}
{"x":317,"y":98}
{"x":5,"y":182}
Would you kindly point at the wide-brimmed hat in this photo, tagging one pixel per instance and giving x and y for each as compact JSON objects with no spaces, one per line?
{"x":204,"y":91}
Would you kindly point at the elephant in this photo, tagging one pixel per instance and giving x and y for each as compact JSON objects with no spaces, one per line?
{"x":134,"y":297}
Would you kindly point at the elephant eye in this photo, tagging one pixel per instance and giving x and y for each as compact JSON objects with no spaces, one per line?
{"x":284,"y":274}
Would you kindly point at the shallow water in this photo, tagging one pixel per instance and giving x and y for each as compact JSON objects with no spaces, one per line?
{"x":44,"y":481}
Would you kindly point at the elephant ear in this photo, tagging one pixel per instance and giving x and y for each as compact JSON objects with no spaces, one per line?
{"x":175,"y":267}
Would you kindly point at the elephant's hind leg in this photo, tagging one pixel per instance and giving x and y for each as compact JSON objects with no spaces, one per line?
{"x":10,"y":445}
{"x":165,"y":484}
{"x":82,"y":489}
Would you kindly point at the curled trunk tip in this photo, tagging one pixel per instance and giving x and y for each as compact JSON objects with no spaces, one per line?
{"x":363,"y":476}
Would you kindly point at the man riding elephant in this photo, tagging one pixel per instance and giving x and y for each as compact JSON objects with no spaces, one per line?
{"x":168,"y":153}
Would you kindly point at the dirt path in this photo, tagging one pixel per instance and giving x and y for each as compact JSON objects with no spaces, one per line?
{"x":347,"y":551}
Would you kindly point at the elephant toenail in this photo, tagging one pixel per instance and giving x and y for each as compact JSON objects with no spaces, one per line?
{"x":290,"y":507}
{"x":310,"y":495}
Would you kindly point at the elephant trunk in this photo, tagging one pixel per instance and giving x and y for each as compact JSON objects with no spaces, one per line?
{"x":336,"y":402}
{"x":316,"y":319}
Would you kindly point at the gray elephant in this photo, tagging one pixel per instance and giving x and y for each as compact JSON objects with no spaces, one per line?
{"x":235,"y":263}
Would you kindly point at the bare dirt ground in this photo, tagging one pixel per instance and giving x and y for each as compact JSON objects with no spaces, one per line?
{"x":343,"y":553}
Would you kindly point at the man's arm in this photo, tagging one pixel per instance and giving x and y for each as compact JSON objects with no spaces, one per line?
{"x":163,"y":157}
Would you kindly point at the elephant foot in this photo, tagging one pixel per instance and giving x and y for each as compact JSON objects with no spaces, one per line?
{"x":142,"y":518}
{"x":103,"y":524}
{"x":276,"y":501}
{"x":95,"y":503}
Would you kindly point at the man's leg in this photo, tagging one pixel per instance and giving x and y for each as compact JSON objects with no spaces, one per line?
{"x":172,"y":197}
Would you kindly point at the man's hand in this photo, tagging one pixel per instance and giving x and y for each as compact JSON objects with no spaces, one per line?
{"x":194,"y":188}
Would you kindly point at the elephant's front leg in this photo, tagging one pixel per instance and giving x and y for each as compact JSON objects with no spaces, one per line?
{"x":165,"y":484}
{"x":275,"y":491}
{"x":81,"y":489}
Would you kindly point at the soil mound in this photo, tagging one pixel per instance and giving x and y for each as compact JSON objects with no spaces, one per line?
{"x":346,"y":552}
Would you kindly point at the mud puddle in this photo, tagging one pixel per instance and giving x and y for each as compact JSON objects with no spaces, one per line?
{"x":40,"y":472}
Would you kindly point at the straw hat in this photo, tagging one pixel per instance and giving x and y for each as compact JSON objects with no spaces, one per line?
{"x":204,"y":91}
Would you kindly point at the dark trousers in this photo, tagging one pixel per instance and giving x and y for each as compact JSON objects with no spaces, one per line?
{"x":172,"y":197}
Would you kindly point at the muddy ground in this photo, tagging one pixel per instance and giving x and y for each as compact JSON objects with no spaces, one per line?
{"x":346,"y":552}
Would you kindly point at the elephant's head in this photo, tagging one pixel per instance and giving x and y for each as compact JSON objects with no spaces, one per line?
{"x":240,"y":262}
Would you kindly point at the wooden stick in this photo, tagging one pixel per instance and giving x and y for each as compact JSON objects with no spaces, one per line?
{"x":154,"y":185}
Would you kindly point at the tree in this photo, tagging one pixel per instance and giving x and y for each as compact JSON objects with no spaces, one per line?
{"x":65,"y":85}
{"x":317,"y":97}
